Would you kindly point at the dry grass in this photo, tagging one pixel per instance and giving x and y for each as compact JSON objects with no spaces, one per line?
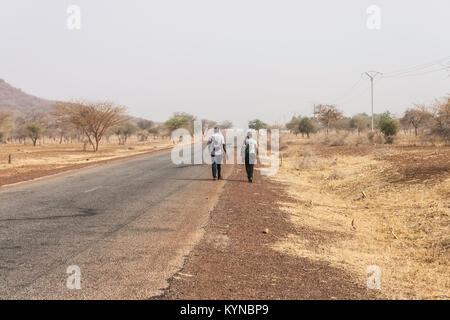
{"x":345,"y":138}
{"x":28,"y":159}
{"x":378,"y":217}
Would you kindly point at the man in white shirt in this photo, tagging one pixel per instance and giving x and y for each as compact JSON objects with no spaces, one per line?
{"x":217,"y":148}
{"x":250,"y":151}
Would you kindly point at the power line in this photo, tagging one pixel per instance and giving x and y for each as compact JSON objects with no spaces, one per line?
{"x":422,"y":73}
{"x":347,"y":93}
{"x":403,"y":71}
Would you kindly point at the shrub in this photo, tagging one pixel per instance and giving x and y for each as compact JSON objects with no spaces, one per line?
{"x":305,"y":126}
{"x":388,"y":127}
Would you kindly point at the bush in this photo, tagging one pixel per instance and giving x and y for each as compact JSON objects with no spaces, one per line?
{"x":388,"y":127}
{"x":305,"y":126}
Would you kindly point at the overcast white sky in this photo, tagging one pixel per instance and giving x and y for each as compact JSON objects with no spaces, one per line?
{"x":226,"y":59}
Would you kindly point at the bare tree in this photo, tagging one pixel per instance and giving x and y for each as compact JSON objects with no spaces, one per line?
{"x":327,"y":114}
{"x":360,"y":122}
{"x":34,"y":131}
{"x":5,"y":121}
{"x":92,"y":119}
{"x":61,"y":128}
{"x":441,"y":120}
{"x":145,"y":124}
{"x":227,"y":124}
{"x":208,"y":124}
{"x":417,"y":117}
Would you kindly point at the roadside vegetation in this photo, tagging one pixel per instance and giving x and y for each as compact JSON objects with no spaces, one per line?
{"x":78,"y":133}
{"x":381,"y":198}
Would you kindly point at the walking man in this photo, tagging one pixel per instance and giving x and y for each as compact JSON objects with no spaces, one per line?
{"x":217,"y":148}
{"x":250,"y":150}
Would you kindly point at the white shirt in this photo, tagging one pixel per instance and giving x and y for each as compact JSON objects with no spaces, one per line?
{"x":216,"y":142}
{"x":252,"y":145}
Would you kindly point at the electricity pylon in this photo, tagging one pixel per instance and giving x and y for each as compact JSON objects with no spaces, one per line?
{"x":372,"y":75}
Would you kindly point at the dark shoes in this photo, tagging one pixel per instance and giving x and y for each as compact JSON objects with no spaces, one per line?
{"x":220,"y":178}
{"x":250,"y":180}
{"x":214,"y":178}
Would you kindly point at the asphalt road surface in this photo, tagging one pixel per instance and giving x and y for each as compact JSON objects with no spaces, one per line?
{"x":126,"y":225}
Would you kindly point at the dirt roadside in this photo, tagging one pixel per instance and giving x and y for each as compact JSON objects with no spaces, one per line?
{"x":234,"y":260}
{"x":49,"y":170}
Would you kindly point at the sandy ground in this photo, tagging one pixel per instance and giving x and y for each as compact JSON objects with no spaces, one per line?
{"x":30,"y":162}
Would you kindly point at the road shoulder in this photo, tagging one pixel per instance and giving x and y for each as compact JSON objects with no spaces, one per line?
{"x":235,"y":258}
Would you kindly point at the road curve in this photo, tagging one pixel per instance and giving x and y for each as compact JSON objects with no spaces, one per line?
{"x":127,"y":225}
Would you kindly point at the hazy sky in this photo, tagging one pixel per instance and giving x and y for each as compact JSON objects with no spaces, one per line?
{"x":226,"y":59}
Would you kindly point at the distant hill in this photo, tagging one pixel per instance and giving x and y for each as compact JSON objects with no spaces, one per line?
{"x":19,"y":102}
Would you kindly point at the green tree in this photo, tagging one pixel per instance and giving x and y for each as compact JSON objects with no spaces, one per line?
{"x":125,"y":131}
{"x":154,"y":131}
{"x":293,"y":124}
{"x":256,"y":124}
{"x":180,"y":120}
{"x":387,"y":126}
{"x":305,"y":126}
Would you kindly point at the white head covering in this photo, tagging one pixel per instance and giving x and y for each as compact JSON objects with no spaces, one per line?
{"x":249,"y":134}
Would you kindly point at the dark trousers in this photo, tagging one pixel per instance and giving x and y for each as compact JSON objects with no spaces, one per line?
{"x":216,"y":168}
{"x":249,"y":165}
{"x":249,"y":168}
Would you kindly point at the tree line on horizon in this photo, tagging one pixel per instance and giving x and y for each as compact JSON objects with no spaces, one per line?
{"x":91,"y":123}
{"x":433,"y":120}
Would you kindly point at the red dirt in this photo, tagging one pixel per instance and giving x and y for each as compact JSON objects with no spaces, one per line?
{"x":416,"y":164}
{"x":421,"y":164}
{"x":234,"y":259}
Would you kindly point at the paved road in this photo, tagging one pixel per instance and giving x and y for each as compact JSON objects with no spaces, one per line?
{"x":127,"y":225}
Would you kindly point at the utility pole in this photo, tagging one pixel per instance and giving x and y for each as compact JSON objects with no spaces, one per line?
{"x":372,"y":75}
